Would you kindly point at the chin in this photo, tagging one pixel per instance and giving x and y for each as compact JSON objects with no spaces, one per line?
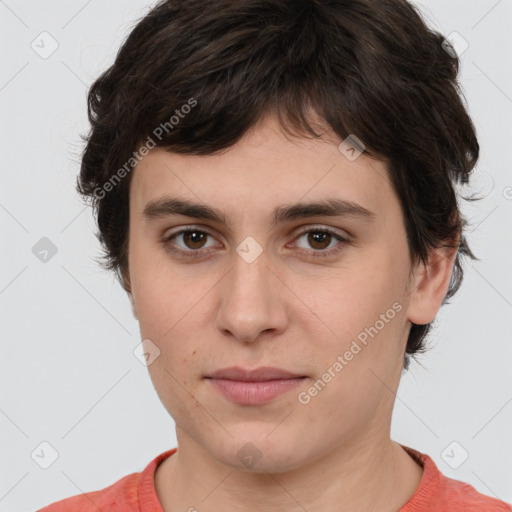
{"x":260,"y":453}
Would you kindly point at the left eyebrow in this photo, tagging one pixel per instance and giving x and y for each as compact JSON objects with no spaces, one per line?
{"x":169,"y":206}
{"x":328,"y":208}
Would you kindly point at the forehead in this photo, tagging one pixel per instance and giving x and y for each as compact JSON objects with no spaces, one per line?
{"x":264,"y":170}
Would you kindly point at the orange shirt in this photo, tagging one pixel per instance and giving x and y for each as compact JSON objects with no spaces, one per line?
{"x":136,"y":493}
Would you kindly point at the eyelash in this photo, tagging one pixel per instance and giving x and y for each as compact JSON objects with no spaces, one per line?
{"x":315,"y":253}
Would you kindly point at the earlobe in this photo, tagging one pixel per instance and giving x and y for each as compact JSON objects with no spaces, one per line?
{"x":132,"y":302}
{"x":128,"y":289}
{"x":430,"y":285}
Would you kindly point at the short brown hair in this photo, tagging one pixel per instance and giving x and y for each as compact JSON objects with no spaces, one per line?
{"x":367,"y":68}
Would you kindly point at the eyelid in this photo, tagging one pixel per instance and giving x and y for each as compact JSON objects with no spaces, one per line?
{"x":186,"y":229}
{"x":320,"y":227}
{"x":304,"y":229}
{"x":343,"y":239}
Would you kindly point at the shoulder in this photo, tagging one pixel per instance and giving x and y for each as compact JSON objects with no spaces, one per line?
{"x":126,"y":495}
{"x":443,"y":494}
{"x":461,"y":496}
{"x":120,"y":496}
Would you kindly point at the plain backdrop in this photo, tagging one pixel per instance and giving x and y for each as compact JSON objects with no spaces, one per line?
{"x":68,"y":375}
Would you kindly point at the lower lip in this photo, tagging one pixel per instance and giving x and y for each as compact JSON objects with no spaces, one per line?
{"x":254,"y":393}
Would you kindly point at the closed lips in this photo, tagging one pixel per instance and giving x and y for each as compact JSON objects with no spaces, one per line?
{"x":264,"y":373}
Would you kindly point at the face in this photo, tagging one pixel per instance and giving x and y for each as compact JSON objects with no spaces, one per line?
{"x":323,"y":295}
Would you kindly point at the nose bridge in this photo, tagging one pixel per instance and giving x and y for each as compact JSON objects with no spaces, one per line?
{"x":249,"y":269}
{"x":249,"y":303}
{"x":248,"y":284}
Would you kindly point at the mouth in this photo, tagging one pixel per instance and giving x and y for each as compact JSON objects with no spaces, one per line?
{"x":263,"y":373}
{"x":254,"y":387}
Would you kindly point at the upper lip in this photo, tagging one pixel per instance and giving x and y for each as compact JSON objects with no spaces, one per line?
{"x":260,"y":374}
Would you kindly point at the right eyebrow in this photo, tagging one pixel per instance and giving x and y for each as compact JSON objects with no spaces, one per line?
{"x":168,"y":206}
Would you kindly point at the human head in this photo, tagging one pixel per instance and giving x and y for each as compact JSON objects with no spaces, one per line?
{"x":372,"y":69}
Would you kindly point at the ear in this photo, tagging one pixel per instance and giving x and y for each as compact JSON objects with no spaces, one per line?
{"x":430,"y":284}
{"x":134,"y":310}
{"x":127,"y":286}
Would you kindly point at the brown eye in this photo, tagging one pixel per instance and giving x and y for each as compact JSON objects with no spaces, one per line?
{"x":319,"y":240}
{"x":188,"y":242}
{"x":194,"y":239}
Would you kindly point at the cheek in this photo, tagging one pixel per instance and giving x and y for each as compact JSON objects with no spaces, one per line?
{"x":176,"y":373}
{"x":362,"y":318}
{"x":165,"y":300}
{"x":172,"y":386}
{"x":354,"y":299}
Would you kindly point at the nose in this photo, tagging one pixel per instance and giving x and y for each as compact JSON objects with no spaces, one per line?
{"x":253,"y":300}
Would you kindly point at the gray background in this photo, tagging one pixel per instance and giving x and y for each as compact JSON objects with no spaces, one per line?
{"x":68,"y":373}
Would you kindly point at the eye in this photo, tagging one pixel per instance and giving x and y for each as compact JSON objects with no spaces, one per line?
{"x":322,"y":240}
{"x":193,"y":241}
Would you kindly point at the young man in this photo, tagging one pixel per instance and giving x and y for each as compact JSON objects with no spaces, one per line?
{"x":274,"y":186}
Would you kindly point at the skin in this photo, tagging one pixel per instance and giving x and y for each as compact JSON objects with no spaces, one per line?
{"x":287,"y":309}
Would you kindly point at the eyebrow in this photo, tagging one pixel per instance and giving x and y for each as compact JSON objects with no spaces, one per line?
{"x":168,"y":206}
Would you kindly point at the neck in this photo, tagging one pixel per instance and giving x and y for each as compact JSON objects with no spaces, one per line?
{"x":370,"y":474}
